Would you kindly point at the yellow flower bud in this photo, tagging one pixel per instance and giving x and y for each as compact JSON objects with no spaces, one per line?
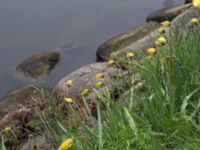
{"x":194,"y":21}
{"x":130,"y":55}
{"x":66,"y":144}
{"x":161,"y":30}
{"x":85,"y":92}
{"x":196,"y":3}
{"x":69,"y":83}
{"x":166,"y":23}
{"x":111,"y":62}
{"x":7,"y":129}
{"x":160,"y":41}
{"x":99,"y":84}
{"x":99,"y":76}
{"x":151,"y":51}
{"x":68,"y":99}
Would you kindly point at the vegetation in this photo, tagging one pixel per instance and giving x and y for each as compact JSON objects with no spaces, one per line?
{"x":160,"y":112}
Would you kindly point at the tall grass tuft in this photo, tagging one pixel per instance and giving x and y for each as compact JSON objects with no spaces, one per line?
{"x":160,"y":112}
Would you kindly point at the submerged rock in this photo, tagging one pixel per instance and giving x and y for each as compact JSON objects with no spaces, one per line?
{"x":84,"y":78}
{"x":38,"y":65}
{"x":124,"y":39}
{"x":168,"y":13}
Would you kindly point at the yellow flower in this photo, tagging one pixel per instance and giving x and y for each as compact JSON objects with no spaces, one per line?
{"x":196,"y":3}
{"x":151,"y":51}
{"x":111,"y":62}
{"x":66,"y":144}
{"x":130,"y":55}
{"x":69,"y":83}
{"x":194,"y":21}
{"x":68,"y":99}
{"x":166,"y":23}
{"x":85,"y":92}
{"x":160,"y":41}
{"x":99,"y":84}
{"x":161,"y":30}
{"x":7,"y":129}
{"x":99,"y":76}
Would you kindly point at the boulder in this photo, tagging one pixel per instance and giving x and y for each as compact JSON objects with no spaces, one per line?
{"x":20,"y":98}
{"x":188,"y":1}
{"x":84,"y":78}
{"x":168,"y":13}
{"x":124,"y":39}
{"x":18,"y":108}
{"x":38,"y":65}
{"x":182,"y":20}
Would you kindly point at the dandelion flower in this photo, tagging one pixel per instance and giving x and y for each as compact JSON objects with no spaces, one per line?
{"x":160,"y":41}
{"x":66,"y":144}
{"x":69,"y":83}
{"x":99,"y":76}
{"x":130,"y":55}
{"x":7,"y":129}
{"x":166,"y":23}
{"x":151,"y":51}
{"x":99,"y":84}
{"x":85,"y":92}
{"x":161,"y":30}
{"x":68,"y":99}
{"x":111,"y":62}
{"x":196,"y":3}
{"x":194,"y":21}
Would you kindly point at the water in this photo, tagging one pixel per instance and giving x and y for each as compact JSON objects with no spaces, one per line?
{"x":30,"y":26}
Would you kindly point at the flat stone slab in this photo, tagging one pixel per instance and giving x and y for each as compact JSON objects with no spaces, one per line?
{"x":168,"y":13}
{"x":120,"y":41}
{"x":85,"y":78}
{"x":38,"y":65}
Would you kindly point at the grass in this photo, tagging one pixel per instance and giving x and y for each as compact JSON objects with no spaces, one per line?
{"x":159,"y":112}
{"x":162,"y":112}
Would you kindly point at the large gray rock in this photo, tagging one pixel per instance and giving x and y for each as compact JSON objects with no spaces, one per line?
{"x":180,"y":22}
{"x":22,"y":102}
{"x":168,"y":13}
{"x":124,"y":39}
{"x":38,"y":65}
{"x":84,"y":78}
{"x":188,"y":1}
{"x":19,"y":107}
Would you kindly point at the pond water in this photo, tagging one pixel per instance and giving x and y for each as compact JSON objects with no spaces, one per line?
{"x":30,"y":26}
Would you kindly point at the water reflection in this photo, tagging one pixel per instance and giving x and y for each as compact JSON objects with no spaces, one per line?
{"x":42,"y":25}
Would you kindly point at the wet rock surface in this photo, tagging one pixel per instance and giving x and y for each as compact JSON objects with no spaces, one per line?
{"x":38,"y":65}
{"x":168,"y":13}
{"x":124,"y":39}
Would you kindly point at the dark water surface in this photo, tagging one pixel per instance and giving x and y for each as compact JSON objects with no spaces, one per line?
{"x":30,"y":26}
